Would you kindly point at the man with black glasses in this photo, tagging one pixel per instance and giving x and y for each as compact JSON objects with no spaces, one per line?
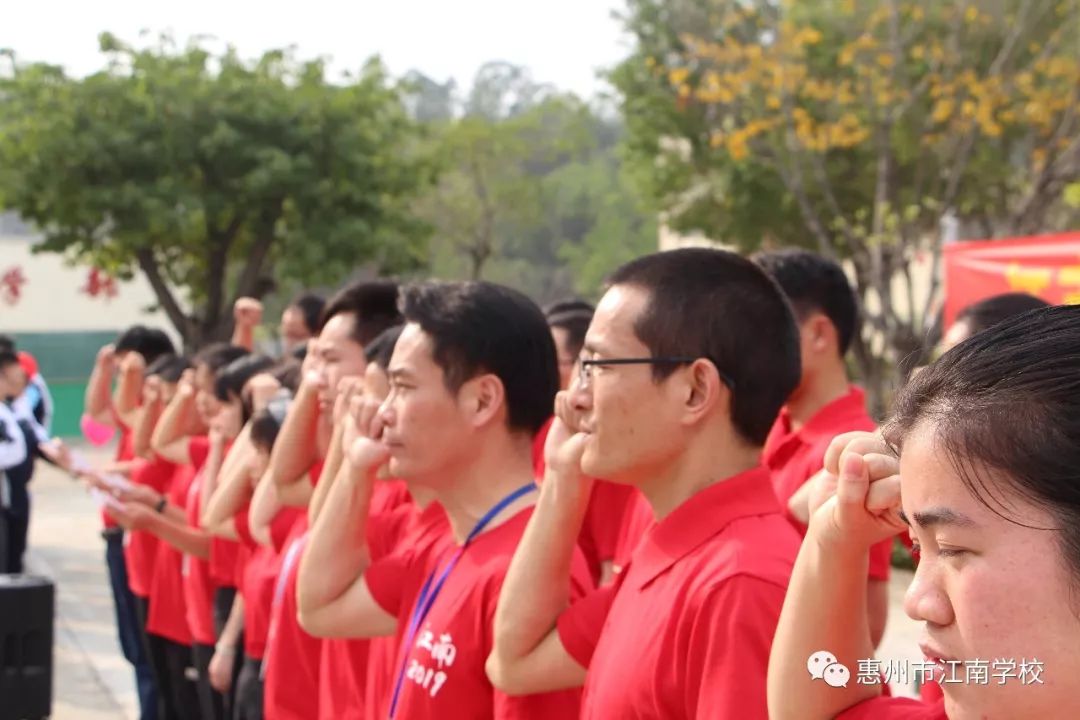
{"x":688,"y":359}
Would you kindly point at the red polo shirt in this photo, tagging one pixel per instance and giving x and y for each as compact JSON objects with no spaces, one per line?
{"x":168,"y":610}
{"x":887,"y":708}
{"x":637,"y":519}
{"x":262,"y":565}
{"x":140,"y":546}
{"x":690,"y":621}
{"x":343,"y":667}
{"x":414,"y":533}
{"x":444,"y":667}
{"x":794,"y":456}
{"x":198,"y":586}
{"x":291,"y":661}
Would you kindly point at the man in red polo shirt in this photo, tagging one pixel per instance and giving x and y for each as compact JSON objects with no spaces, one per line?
{"x":472,"y":380}
{"x":825,"y":404}
{"x":688,"y":359}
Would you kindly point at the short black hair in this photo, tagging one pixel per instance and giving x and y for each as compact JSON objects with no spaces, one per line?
{"x":229,"y":381}
{"x":311,"y":308}
{"x":169,"y":368}
{"x":713,"y":304}
{"x":576,"y":324}
{"x":989,"y":312}
{"x":1006,"y":402}
{"x":568,"y":305}
{"x":149,"y":342}
{"x":217,"y":355}
{"x":266,"y":424}
{"x":481,"y":327}
{"x":7,"y":343}
{"x":381,"y":349}
{"x":374,"y":305}
{"x":8,"y":358}
{"x":814,"y":283}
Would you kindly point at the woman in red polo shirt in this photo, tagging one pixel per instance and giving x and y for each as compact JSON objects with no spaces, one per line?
{"x":989,"y":441}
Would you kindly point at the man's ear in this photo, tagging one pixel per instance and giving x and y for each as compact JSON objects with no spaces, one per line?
{"x":822,"y":332}
{"x":483,"y":399}
{"x":703,"y":389}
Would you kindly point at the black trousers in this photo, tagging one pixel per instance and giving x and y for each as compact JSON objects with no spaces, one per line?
{"x":249,"y":691}
{"x":177,"y":684}
{"x":17,"y":525}
{"x":211,"y":701}
{"x":223,"y":602}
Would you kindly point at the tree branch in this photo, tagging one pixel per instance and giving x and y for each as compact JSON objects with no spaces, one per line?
{"x":149,"y":266}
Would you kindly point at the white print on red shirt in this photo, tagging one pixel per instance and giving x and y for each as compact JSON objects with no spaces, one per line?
{"x":442,"y":652}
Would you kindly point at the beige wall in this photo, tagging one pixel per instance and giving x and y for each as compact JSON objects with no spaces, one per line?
{"x":52,"y":301}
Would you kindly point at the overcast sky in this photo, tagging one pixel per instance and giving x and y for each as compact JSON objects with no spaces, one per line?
{"x":562,"y":41}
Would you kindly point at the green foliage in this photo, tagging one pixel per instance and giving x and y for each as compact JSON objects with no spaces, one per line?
{"x":532,"y":192}
{"x":213,"y":176}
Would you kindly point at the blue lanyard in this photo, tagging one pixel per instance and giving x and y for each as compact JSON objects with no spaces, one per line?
{"x":429,"y":592}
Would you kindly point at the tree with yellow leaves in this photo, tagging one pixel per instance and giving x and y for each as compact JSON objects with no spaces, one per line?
{"x":865,"y":128}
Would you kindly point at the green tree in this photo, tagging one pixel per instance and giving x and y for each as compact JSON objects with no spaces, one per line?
{"x":211,"y":175}
{"x":533,"y":194}
{"x":860,"y":129}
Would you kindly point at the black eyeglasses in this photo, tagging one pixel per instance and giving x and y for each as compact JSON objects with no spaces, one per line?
{"x":585,"y":367}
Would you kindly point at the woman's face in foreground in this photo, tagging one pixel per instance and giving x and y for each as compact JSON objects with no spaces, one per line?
{"x":995,"y":597}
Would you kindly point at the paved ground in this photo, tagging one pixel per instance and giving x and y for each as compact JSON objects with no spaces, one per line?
{"x":93,"y":682}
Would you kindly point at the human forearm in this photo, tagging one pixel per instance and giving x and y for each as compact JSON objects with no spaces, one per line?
{"x":294,"y":452}
{"x":825,"y":609}
{"x":337,"y":553}
{"x":537,"y":586}
{"x":181,"y":536}
{"x":334,"y":458}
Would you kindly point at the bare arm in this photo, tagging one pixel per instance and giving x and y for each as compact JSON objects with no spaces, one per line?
{"x":215,"y":458}
{"x":247,"y":314}
{"x":826,"y":602}
{"x":295,"y":452}
{"x":333,"y":596}
{"x":877,"y":609}
{"x":528,"y":656}
{"x":180,"y":535}
{"x":129,"y":389}
{"x":334,"y":459}
{"x":233,"y":490}
{"x":170,"y":440}
{"x":98,"y":398}
{"x":144,"y":426}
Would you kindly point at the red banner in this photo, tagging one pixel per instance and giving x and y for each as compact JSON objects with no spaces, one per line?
{"x":1047,"y":266}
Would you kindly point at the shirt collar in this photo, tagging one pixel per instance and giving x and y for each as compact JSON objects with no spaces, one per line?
{"x":701,"y":517}
{"x":836,"y":414}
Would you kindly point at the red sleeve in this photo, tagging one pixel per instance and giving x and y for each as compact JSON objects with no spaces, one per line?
{"x":579,"y":627}
{"x":881,"y":560}
{"x":385,"y":530}
{"x":243,"y":528}
{"x":315,"y":472}
{"x":389,"y":580}
{"x":885,"y":708}
{"x":155,"y":474}
{"x":607,"y":509}
{"x":198,"y":450}
{"x":725,"y":669}
{"x":282,"y":525}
